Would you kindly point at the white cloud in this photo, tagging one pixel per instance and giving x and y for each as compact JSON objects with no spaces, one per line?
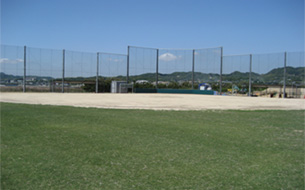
{"x":10,"y":61}
{"x":114,"y":60}
{"x":168,"y":57}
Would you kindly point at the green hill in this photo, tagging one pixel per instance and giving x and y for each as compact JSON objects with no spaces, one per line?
{"x":4,"y":76}
{"x":275,"y":76}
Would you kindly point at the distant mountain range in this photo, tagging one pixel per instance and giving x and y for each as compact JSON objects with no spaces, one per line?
{"x":275,"y":76}
{"x":4,"y":76}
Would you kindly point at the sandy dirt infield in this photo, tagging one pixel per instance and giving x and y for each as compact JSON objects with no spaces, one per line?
{"x":154,"y":101}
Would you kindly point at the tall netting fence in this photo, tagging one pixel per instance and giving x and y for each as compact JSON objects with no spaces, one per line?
{"x":207,"y":68}
{"x":43,"y":70}
{"x":175,"y":68}
{"x":12,"y":68}
{"x":46,"y":70}
{"x":268,"y":74}
{"x":80,"y":71}
{"x":236,"y":75}
{"x":142,"y":67}
{"x":295,"y":71}
{"x":112,"y":67}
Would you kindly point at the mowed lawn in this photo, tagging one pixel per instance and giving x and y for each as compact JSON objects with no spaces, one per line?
{"x":57,"y":147}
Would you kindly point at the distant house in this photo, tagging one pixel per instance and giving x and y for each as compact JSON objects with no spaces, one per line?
{"x":161,"y":82}
{"x":30,"y":79}
{"x":141,"y":81}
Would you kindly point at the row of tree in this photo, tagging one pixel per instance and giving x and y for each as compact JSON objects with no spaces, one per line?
{"x":104,"y":85}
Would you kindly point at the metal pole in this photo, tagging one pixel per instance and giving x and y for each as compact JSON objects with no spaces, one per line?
{"x":232,"y":89}
{"x":193,"y":68}
{"x":127,"y":77}
{"x":284,"y":85}
{"x":63,"y":70}
{"x":221,"y":61}
{"x":24,"y":69}
{"x":250,"y":77}
{"x":97,"y":68}
{"x":157,"y":69}
{"x":291,"y":95}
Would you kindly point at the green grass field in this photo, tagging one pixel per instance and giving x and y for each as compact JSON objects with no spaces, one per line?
{"x":57,"y":147}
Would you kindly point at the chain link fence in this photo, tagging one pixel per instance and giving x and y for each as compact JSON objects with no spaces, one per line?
{"x":12,"y":68}
{"x":268,"y":74}
{"x":236,"y":74}
{"x":112,"y":67}
{"x":43,"y":68}
{"x":79,"y":71}
{"x":46,"y":70}
{"x":295,"y":74}
{"x":175,"y":68}
{"x":207,"y":67}
{"x":142,"y":67}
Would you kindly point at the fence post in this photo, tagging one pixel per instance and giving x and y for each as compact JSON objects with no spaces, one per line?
{"x":193,"y":68}
{"x":157,"y":69}
{"x":127,"y":77}
{"x":250,"y":77}
{"x":221,"y":61}
{"x":97,"y":69}
{"x":63,"y":70}
{"x":284,"y":85}
{"x":24,"y":69}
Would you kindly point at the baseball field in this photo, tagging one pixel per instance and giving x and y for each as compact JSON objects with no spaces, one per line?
{"x":145,"y":141}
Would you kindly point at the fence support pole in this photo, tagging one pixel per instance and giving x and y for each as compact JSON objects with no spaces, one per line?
{"x":250,"y":77}
{"x":127,"y":77}
{"x":157,"y":68}
{"x":284,"y":85}
{"x":193,"y":69}
{"x":24,"y":69}
{"x":63,"y":70}
{"x":97,"y":68}
{"x":221,"y":62}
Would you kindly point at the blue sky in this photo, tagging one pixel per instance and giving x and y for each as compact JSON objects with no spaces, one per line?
{"x":240,"y":26}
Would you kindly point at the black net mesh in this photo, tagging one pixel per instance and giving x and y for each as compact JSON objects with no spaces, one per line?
{"x":175,"y":68}
{"x":268,"y":74}
{"x":112,"y":67}
{"x":44,"y":70}
{"x":207,"y":67}
{"x":295,"y":71}
{"x":80,"y":71}
{"x":142,"y":66}
{"x":12,"y":68}
{"x":236,"y":74}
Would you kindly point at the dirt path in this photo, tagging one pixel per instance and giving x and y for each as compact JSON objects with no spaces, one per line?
{"x":154,"y":101}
